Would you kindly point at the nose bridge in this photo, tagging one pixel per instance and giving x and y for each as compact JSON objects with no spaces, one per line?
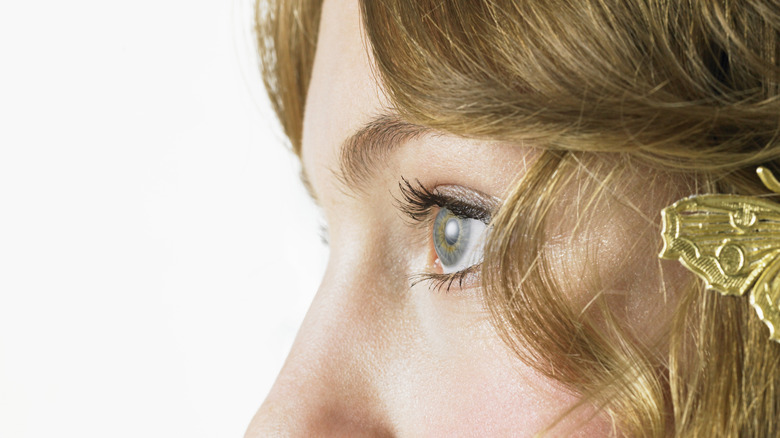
{"x":327,"y":385}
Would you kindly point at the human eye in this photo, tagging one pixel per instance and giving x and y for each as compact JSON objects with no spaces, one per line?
{"x":455,"y":222}
{"x":457,"y":240}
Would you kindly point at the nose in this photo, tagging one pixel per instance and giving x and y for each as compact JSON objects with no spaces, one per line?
{"x":328,"y":385}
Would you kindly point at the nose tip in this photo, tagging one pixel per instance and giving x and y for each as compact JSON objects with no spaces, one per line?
{"x":309,"y":401}
{"x":327,"y":386}
{"x":312,"y":417}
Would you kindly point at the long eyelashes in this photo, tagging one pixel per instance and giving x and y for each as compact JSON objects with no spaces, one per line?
{"x":418,"y":203}
{"x":443,"y":282}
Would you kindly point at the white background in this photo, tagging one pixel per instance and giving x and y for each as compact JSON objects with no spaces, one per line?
{"x":157,"y":252}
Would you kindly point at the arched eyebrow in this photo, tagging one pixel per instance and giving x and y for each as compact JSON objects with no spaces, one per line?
{"x":367,"y":150}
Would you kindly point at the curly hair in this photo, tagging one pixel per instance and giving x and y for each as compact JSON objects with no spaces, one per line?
{"x":685,"y":90}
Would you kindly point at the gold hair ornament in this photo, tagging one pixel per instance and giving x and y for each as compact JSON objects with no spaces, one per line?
{"x":732,"y":242}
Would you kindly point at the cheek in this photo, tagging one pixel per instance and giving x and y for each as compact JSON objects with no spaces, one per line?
{"x":504,"y":402}
{"x":613,"y":258}
{"x":632,"y":276}
{"x":466,"y":381}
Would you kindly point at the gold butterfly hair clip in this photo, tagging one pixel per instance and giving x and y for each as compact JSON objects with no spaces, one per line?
{"x":731,"y":242}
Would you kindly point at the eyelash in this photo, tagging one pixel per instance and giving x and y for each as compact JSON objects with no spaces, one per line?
{"x":417,"y":203}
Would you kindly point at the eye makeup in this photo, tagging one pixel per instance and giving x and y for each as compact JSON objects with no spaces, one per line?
{"x":455,"y":218}
{"x":417,"y":201}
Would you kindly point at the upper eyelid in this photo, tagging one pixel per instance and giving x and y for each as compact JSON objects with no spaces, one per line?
{"x":417,"y":201}
{"x":466,"y":210}
{"x":480,"y":202}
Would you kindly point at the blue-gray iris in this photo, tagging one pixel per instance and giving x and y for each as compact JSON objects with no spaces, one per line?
{"x":450,"y":237}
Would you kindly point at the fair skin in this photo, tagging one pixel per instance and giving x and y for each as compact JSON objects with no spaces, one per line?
{"x":376,"y":356}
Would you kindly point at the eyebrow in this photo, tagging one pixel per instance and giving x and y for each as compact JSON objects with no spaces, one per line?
{"x":367,"y":150}
{"x":364,"y":152}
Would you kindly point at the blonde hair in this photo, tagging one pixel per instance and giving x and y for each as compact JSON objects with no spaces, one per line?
{"x":687,"y":90}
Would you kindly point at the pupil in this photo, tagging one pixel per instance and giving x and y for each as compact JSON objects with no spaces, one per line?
{"x":451,"y":231}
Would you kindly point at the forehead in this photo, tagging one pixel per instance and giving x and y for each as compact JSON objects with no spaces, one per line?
{"x":343,"y":93}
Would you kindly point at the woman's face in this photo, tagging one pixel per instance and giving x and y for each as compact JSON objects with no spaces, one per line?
{"x":376,"y":355}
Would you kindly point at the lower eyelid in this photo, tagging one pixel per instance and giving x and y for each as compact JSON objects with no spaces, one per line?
{"x":450,"y":283}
